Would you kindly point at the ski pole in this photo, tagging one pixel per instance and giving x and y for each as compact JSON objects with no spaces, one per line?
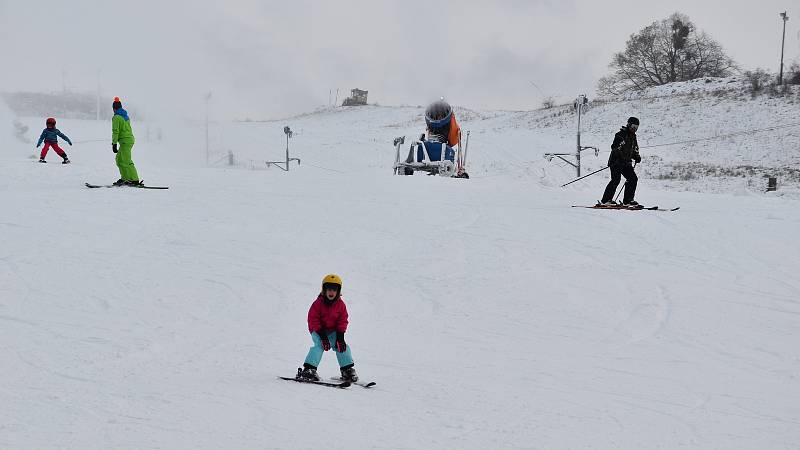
{"x":620,"y":190}
{"x":577,"y":179}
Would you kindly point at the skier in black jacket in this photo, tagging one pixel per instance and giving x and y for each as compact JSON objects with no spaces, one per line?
{"x":624,"y":149}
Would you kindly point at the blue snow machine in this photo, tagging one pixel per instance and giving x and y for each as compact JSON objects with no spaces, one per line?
{"x":433,"y":155}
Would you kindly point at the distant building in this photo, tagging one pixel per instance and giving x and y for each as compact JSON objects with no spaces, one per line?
{"x":357,"y":97}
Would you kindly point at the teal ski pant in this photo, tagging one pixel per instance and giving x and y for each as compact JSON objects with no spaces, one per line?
{"x":314,"y":356}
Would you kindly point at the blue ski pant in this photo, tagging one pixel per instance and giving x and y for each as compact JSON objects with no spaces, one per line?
{"x":314,"y":356}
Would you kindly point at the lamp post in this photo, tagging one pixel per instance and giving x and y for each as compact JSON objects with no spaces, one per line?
{"x":288,"y":131}
{"x":783,"y":41}
{"x":580,"y":104}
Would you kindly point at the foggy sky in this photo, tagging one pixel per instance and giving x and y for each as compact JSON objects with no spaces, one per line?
{"x":265,"y":59}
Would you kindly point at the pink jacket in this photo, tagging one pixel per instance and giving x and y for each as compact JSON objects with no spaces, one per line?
{"x":328,"y":318}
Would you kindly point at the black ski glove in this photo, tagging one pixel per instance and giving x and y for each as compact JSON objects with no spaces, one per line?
{"x":341,"y":346}
{"x":323,"y":336}
{"x":637,"y":158}
{"x":114,"y":148}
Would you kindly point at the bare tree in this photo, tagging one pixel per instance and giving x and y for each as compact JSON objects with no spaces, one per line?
{"x":664,"y":52}
{"x":793,"y":75}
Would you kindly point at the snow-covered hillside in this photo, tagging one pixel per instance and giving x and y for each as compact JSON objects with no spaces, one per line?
{"x":489,"y":312}
{"x":707,"y":135}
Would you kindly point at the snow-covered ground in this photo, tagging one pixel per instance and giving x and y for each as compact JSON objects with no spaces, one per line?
{"x":490,"y":313}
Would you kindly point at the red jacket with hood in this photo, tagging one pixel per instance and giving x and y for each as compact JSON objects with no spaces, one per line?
{"x":328,"y":316}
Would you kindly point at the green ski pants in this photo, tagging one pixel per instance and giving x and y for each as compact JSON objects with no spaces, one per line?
{"x":127,"y":171}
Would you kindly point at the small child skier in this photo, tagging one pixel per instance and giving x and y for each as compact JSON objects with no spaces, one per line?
{"x":327,"y":322}
{"x":50,"y":137}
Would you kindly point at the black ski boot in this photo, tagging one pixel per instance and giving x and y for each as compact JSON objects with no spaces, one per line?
{"x":349,"y":373}
{"x":66,"y":161}
{"x":41,"y":160}
{"x":308,"y":373}
{"x":119,"y":182}
{"x":136,"y":183}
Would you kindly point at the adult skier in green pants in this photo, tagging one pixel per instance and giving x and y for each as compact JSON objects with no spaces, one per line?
{"x":122,"y":141}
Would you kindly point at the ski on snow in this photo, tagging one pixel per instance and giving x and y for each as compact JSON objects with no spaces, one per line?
{"x":94,"y":186}
{"x":340,"y":385}
{"x":357,"y":383}
{"x":627,"y":208}
{"x":336,"y":382}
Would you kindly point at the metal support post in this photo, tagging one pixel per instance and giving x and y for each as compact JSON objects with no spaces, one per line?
{"x":288,"y":132}
{"x":580,"y":105}
{"x":783,"y":41}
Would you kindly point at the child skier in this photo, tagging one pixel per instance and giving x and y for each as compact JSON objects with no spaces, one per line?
{"x":327,"y":322}
{"x":50,"y":137}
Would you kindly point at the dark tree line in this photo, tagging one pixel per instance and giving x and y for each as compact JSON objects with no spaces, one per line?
{"x":664,"y":52}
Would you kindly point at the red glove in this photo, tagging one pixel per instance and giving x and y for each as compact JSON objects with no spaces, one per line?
{"x":323,"y":336}
{"x":341,"y":346}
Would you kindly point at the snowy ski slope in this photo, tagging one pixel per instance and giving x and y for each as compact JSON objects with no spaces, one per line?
{"x":491,"y":314}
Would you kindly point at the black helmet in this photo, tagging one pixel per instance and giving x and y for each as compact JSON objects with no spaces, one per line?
{"x":633,"y":121}
{"x":437,"y":114}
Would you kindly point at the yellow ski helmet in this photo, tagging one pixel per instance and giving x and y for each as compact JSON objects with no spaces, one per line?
{"x":332,"y":279}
